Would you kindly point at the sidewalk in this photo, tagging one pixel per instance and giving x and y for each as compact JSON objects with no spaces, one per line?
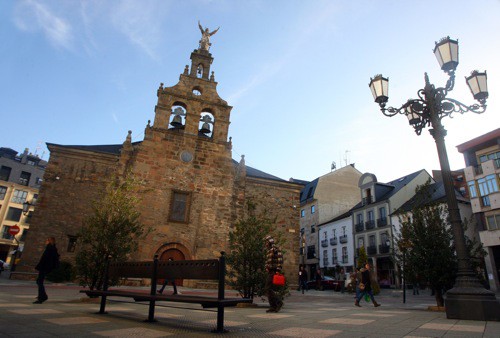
{"x":314,"y":314}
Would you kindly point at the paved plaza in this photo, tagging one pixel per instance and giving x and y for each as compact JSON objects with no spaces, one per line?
{"x":314,"y":314}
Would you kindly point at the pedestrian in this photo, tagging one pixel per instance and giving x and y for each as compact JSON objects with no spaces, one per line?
{"x":165,"y":283}
{"x":274,"y":264}
{"x":302,"y":279}
{"x":48,"y":262}
{"x":365,"y":286}
{"x":318,"y":279}
{"x":342,"y":280}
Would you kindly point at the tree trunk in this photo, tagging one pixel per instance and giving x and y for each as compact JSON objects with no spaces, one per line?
{"x":439,"y":297}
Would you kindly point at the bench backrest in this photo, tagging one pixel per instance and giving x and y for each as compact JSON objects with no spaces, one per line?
{"x":196,"y":269}
{"x":131,"y":269}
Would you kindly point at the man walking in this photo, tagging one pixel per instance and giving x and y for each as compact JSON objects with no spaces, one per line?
{"x":302,"y":279}
{"x":274,"y":264}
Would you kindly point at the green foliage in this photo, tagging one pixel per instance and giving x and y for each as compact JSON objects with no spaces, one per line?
{"x":111,"y":231}
{"x":63,"y":273}
{"x":362,"y":258}
{"x":426,"y":241}
{"x":247,"y":256}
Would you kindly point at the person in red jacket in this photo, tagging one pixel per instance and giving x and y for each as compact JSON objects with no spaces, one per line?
{"x":274,"y":263}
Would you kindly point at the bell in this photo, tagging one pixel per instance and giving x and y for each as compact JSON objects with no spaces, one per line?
{"x":176,"y":121}
{"x":205,"y":128}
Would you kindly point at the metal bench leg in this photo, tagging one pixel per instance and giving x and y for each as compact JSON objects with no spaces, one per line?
{"x":103,"y":306}
{"x":220,"y":320}
{"x":151,"y":316}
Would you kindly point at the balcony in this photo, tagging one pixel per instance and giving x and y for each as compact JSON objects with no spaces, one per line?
{"x":324,"y":243}
{"x":370,"y":224}
{"x":360,"y":227}
{"x":333,"y":241}
{"x":382,"y":222}
{"x":371,"y":250}
{"x":383,"y":249}
{"x":343,"y":239}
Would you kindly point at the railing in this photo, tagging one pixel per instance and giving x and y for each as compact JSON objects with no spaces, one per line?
{"x":383,"y":248}
{"x":370,"y":224}
{"x":343,"y":239}
{"x":360,"y":227}
{"x":324,"y":243}
{"x":333,"y":241}
{"x":371,"y":250}
{"x":382,"y":222}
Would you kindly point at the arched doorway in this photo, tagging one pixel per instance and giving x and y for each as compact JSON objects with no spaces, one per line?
{"x":175,"y":255}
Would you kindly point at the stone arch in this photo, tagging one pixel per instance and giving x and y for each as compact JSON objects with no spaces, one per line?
{"x":173,"y":246}
{"x":199,"y":71}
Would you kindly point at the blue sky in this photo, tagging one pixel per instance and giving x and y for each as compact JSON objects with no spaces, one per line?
{"x":295,"y":72}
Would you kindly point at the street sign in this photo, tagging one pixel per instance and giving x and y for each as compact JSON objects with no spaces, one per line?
{"x":14,"y":230}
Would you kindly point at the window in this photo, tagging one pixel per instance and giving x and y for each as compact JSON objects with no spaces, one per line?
{"x":27,"y":219}
{"x":3,"y":191}
{"x":493,"y":222}
{"x":30,"y":162}
{"x":334,"y":256}
{"x":311,"y":252}
{"x":325,"y":254}
{"x":371,"y":240}
{"x":302,"y":213}
{"x":72,"y":243}
{"x":5,"y":233}
{"x":492,"y":184}
{"x":492,"y":156}
{"x":19,"y":196}
{"x":487,"y":185}
{"x":313,"y":209}
{"x":14,"y":214}
{"x":5,"y":173}
{"x":472,"y":189}
{"x":370,"y":215}
{"x":382,"y":212}
{"x":359,"y":218}
{"x":334,"y":235}
{"x":24,"y":179}
{"x":343,"y":231}
{"x":179,"y":206}
{"x":344,"y":254}
{"x":361,"y":242}
{"x":325,"y":235}
{"x":313,"y":229}
{"x":384,"y":238}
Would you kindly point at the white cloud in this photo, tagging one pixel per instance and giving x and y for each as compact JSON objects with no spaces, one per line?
{"x":34,"y":16}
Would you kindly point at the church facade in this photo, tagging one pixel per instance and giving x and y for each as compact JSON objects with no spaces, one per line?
{"x":194,"y":192}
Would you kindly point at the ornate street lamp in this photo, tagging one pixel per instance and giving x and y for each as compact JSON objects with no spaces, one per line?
{"x":468,"y":299}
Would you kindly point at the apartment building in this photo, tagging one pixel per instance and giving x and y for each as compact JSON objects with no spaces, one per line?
{"x":482,"y":173}
{"x":20,"y":179}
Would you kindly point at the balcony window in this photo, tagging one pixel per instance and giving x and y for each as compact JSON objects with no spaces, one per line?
{"x":14,"y":214}
{"x":334,"y":257}
{"x":5,"y":173}
{"x":382,"y":213}
{"x":345,"y":256}
{"x":472,"y":189}
{"x":493,"y":222}
{"x":3,"y":191}
{"x":24,"y":178}
{"x":19,"y":196}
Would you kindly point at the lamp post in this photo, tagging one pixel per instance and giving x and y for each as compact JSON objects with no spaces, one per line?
{"x":468,"y":299}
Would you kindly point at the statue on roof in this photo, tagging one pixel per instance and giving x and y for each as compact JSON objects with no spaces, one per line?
{"x":205,"y":37}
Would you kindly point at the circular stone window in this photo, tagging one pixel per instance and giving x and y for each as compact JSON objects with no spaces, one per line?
{"x":186,"y":156}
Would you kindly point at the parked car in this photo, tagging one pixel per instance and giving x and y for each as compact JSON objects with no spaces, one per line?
{"x":327,"y":283}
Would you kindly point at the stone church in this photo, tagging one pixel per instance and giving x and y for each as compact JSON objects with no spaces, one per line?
{"x":195,"y":191}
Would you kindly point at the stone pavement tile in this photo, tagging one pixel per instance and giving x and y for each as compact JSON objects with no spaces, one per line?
{"x":381,"y":315}
{"x":304,"y":332}
{"x":11,"y":305}
{"x":492,"y":329}
{"x":133,"y":332}
{"x":469,"y":328}
{"x":270,"y":316}
{"x":227,"y":323}
{"x":167,"y":315}
{"x":346,"y":321}
{"x":35,"y":311}
{"x":335,"y":308}
{"x":75,"y":320}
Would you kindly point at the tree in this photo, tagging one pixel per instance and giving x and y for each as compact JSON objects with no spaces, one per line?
{"x":111,"y":231}
{"x":426,"y":240}
{"x":247,"y":256}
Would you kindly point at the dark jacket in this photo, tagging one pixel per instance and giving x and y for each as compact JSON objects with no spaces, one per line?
{"x":49,"y":260}
{"x":365,"y":279}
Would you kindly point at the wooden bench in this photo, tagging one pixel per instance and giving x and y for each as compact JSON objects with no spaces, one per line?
{"x":213,"y":269}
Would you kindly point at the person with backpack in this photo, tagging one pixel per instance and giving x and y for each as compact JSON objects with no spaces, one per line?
{"x":48,"y":262}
